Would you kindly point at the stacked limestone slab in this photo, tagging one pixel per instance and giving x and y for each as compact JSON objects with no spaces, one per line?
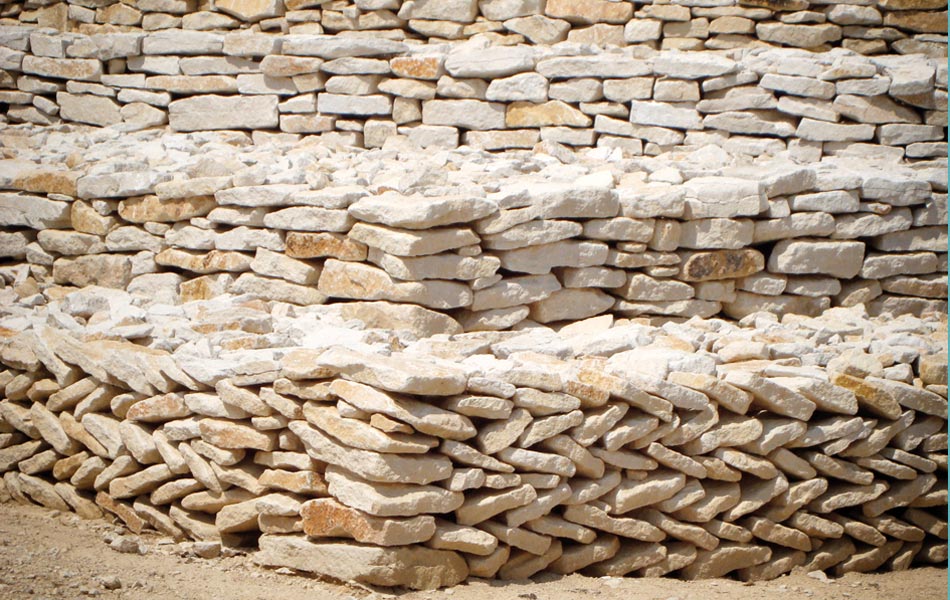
{"x":365,"y":90}
{"x":610,"y":447}
{"x":900,"y":26}
{"x":471,"y":240}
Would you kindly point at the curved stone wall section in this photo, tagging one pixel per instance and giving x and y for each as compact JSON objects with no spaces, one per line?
{"x":865,"y":26}
{"x":364,"y":91}
{"x":609,"y":448}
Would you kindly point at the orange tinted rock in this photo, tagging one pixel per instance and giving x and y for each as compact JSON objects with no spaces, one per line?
{"x":326,"y":517}
{"x":418,"y":67}
{"x":320,"y":245}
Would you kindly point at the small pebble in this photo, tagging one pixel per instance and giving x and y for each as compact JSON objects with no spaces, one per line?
{"x":110,"y":582}
{"x":820,"y":576}
{"x":127,"y":544}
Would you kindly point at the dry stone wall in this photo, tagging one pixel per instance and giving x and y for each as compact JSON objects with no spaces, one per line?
{"x":409,"y":292}
{"x":610,"y":447}
{"x":865,"y":26}
{"x":487,"y":241}
{"x":366,"y":90}
{"x":381,"y":365}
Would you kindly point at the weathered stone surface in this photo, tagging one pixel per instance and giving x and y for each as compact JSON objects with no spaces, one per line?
{"x":36,"y":212}
{"x":79,"y":69}
{"x":389,"y":499}
{"x":370,"y":465}
{"x":586,"y":12}
{"x":89,"y":109}
{"x":406,"y":242}
{"x":363,"y":282}
{"x":223,"y":112}
{"x":420,"y":212}
{"x":388,"y":315}
{"x":250,"y":10}
{"x":148,"y":208}
{"x":664,"y":115}
{"x":550,"y":114}
{"x":468,"y":114}
{"x":542,"y":258}
{"x":400,"y":374}
{"x":778,"y":399}
{"x":483,"y":505}
{"x":413,"y":567}
{"x":722,"y":264}
{"x":603,"y":65}
{"x":330,"y":47}
{"x":798,"y":36}
{"x":357,"y":434}
{"x":723,"y":197}
{"x":839,"y":259}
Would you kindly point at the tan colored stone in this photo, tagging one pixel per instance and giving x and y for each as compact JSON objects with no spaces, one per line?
{"x":141,"y":482}
{"x":499,"y":435}
{"x":50,"y":428}
{"x":365,"y":282}
{"x":587,"y":12}
{"x":145,"y":209}
{"x":727,"y":396}
{"x":418,"y":67}
{"x":250,"y":10}
{"x":771,"y":395}
{"x":213,"y":261}
{"x":413,"y":567}
{"x":595,"y":518}
{"x":318,"y":245}
{"x":519,"y":538}
{"x":327,"y":518}
{"x":550,"y":114}
{"x":629,"y":557}
{"x":232,"y":435}
{"x":422,"y":416}
{"x":406,"y":242}
{"x":371,"y":465}
{"x":470,"y":456}
{"x":483,"y":505}
{"x":358,"y":434}
{"x":872,"y":397}
{"x":725,"y":559}
{"x":157,"y":409}
{"x":449,"y":536}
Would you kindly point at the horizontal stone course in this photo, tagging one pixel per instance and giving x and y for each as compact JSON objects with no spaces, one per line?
{"x":363,"y":91}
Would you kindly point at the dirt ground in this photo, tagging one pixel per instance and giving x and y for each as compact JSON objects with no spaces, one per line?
{"x":54,"y":556}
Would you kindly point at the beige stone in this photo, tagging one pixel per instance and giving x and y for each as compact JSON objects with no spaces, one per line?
{"x":357,"y":434}
{"x":588,"y":11}
{"x":364,"y":282}
{"x":629,"y":557}
{"x":725,"y":559}
{"x":413,"y":567}
{"x":370,"y":465}
{"x":483,"y":505}
{"x":422,"y":416}
{"x":327,"y":518}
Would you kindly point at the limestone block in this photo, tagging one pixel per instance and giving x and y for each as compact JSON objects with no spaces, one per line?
{"x":223,"y":112}
{"x":490,"y":63}
{"x":468,"y":114}
{"x":411,"y":566}
{"x":839,"y":259}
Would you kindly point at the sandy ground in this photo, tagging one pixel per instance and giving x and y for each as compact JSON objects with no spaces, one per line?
{"x":54,"y":556}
